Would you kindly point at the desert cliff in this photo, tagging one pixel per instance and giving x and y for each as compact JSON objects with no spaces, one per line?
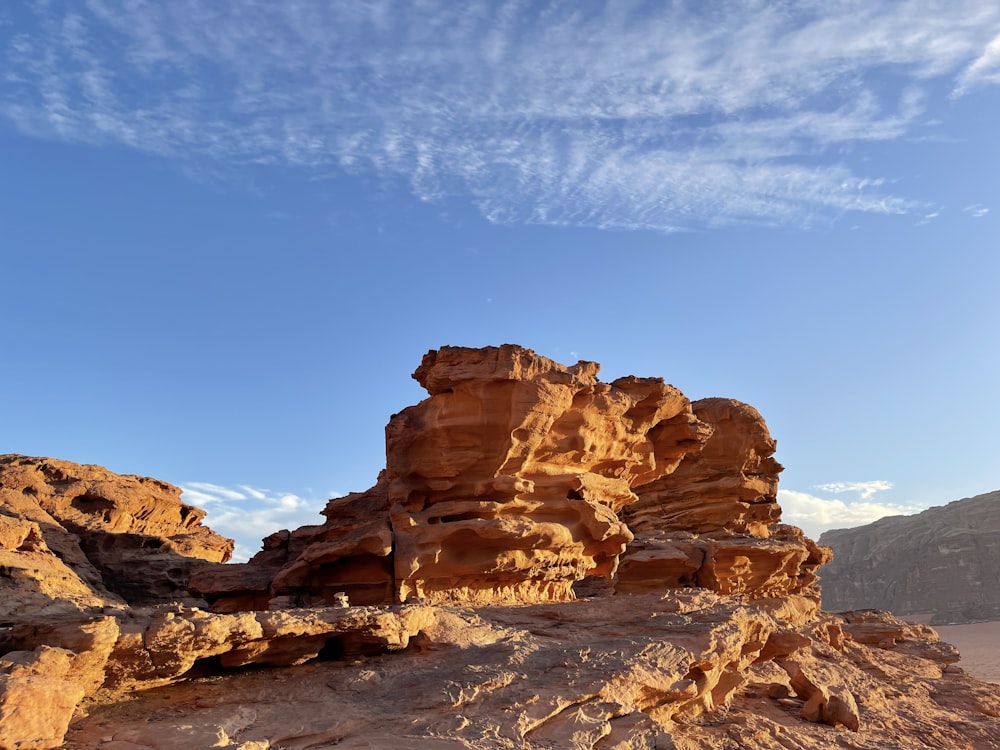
{"x":943,"y":563}
{"x":546,"y":561}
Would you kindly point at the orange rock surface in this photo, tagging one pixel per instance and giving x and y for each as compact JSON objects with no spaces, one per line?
{"x":505,"y":485}
{"x":731,"y":485}
{"x":487,"y":592}
{"x":82,"y":536}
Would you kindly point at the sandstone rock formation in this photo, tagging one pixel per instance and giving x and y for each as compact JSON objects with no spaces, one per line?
{"x":519,"y":478}
{"x":506,"y":483}
{"x":942,"y":564}
{"x":486,"y":592}
{"x":81,"y":536}
{"x":692,"y":670}
{"x":713,"y":521}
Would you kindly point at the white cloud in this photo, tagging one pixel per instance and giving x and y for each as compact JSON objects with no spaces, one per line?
{"x":212,"y":493}
{"x":985,"y":69}
{"x":250,"y":514}
{"x":662,"y":116}
{"x":816,"y":515}
{"x":976,"y":210}
{"x":864,"y":489}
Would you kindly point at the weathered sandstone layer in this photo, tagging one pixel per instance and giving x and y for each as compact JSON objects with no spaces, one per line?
{"x":518,"y":480}
{"x":81,"y":536}
{"x":486,"y":592}
{"x":943,"y":563}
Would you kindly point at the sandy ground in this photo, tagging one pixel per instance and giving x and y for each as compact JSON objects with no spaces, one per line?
{"x":979,"y":644}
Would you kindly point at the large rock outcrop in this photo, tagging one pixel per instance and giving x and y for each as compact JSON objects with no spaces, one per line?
{"x":81,"y":536}
{"x":436,"y":609}
{"x":506,"y":484}
{"x":522,"y":480}
{"x":713,"y":522}
{"x":942,"y":563}
{"x":691,"y":671}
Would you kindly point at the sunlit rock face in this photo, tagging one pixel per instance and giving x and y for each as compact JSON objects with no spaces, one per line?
{"x":82,"y":535}
{"x":506,"y":483}
{"x":729,"y":486}
{"x":522,"y":480}
{"x":713,"y":521}
{"x":349,"y":555}
{"x":515,"y":482}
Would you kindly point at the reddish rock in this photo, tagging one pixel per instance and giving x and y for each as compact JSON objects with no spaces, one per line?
{"x":508,"y":484}
{"x":350,"y":554}
{"x":505,"y":484}
{"x":730,"y":486}
{"x":82,"y":536}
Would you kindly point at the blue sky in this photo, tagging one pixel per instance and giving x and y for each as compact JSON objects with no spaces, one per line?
{"x":230,"y":230}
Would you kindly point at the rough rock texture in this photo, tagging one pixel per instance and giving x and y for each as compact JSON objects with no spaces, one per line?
{"x":944,"y":562}
{"x":689,"y":670}
{"x":436,"y":610}
{"x":713,"y":521}
{"x":731,"y":485}
{"x":314,"y":565}
{"x":81,"y":536}
{"x":506,"y":483}
{"x":519,"y":478}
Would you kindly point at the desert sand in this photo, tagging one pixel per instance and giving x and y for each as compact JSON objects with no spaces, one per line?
{"x":980,"y":646}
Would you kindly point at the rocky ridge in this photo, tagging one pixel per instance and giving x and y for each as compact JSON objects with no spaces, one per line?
{"x":546,"y":561}
{"x":942,"y":564}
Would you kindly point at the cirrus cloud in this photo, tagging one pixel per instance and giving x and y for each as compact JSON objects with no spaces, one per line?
{"x":630,"y":115}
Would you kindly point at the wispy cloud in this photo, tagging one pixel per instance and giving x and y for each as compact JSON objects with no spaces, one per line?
{"x":248,"y":514}
{"x":865,"y":490}
{"x":976,"y":211}
{"x":630,"y":115}
{"x":984,"y":70}
{"x":816,"y":514}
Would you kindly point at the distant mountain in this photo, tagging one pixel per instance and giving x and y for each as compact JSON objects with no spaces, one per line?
{"x":944,"y":562}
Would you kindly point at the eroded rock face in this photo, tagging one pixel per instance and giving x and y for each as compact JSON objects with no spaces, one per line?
{"x":505,"y":485}
{"x":729,"y":486}
{"x":521,"y":480}
{"x":691,"y":670}
{"x":350,"y":554}
{"x":940,"y":563}
{"x":513,"y":483}
{"x":83,"y":536}
{"x":713,"y":521}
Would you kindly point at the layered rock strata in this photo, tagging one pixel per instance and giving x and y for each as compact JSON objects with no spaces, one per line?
{"x":435,"y":609}
{"x":692,"y":671}
{"x":519,"y":478}
{"x":730,"y":485}
{"x":80,"y":536}
{"x":713,"y":522}
{"x":505,"y":485}
{"x":941,"y":564}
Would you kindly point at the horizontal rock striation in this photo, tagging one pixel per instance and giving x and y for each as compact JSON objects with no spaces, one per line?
{"x":522,"y":480}
{"x":546,"y":561}
{"x":505,"y":485}
{"x":729,"y":486}
{"x":942,"y":563}
{"x":82,"y":536}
